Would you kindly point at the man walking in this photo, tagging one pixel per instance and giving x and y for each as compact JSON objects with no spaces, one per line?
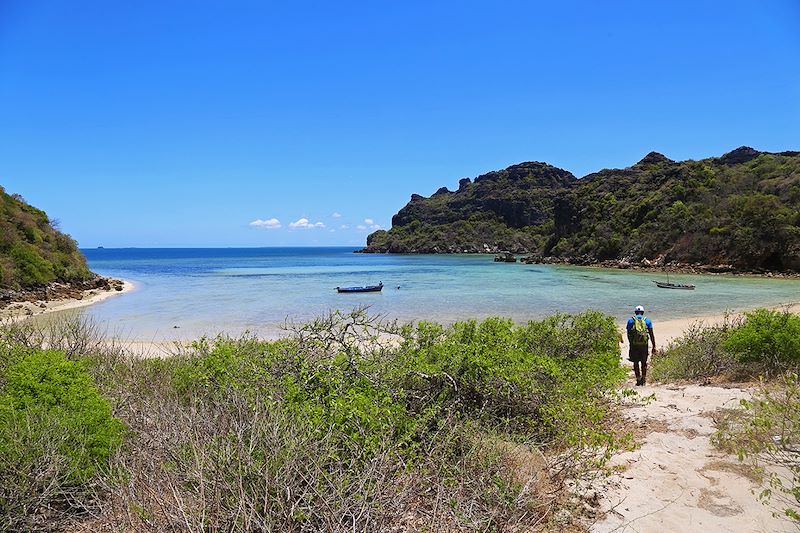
{"x":640,"y":331}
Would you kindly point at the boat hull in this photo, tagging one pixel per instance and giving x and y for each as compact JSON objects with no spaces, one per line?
{"x":664,"y":285}
{"x":368,"y":288}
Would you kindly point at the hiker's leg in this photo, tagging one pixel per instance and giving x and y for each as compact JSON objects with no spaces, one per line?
{"x":644,"y":372}
{"x":636,"y":371}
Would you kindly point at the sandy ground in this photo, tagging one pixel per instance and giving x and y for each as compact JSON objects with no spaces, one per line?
{"x":677,"y":481}
{"x":20,"y":311}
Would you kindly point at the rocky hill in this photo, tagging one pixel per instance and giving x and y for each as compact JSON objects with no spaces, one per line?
{"x":741,"y":209}
{"x":34,"y":254}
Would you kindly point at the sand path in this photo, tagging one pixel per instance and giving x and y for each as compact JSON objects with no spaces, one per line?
{"x":677,"y":481}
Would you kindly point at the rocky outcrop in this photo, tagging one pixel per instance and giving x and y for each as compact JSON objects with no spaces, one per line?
{"x":58,"y":291}
{"x":653,"y":158}
{"x":741,"y":155}
{"x":740,"y":209}
{"x":517,"y":196}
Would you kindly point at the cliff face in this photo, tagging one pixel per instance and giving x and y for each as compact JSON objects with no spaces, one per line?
{"x":33,"y":252}
{"x":518,"y":196}
{"x":742,"y":209}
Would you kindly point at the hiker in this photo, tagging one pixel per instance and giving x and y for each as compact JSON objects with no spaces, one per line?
{"x":640,"y":331}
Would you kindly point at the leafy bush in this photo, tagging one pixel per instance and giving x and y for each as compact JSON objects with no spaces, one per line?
{"x":762,"y":342}
{"x":56,"y":434}
{"x":697,"y":354}
{"x":32,"y":268}
{"x":48,"y":384}
{"x":768,"y":337}
{"x":347,"y":424}
{"x":365,"y":402}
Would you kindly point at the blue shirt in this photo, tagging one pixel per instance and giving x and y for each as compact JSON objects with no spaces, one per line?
{"x":647,"y":322}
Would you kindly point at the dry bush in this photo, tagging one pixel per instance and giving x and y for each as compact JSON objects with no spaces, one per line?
{"x":216,"y":442}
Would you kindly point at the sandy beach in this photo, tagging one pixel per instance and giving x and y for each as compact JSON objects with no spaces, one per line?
{"x":17,"y":311}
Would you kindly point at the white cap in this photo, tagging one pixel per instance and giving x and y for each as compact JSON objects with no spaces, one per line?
{"x":639,"y":309}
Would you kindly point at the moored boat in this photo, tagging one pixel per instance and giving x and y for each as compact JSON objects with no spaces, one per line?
{"x":667,"y":285}
{"x":366,"y":288}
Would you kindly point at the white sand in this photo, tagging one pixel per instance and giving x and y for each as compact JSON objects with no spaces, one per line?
{"x":677,"y":481}
{"x":22,"y":310}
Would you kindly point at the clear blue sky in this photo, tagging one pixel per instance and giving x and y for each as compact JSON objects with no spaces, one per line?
{"x":180,"y":123}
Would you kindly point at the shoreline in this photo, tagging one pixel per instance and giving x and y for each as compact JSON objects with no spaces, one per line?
{"x":19,"y":311}
{"x":655,"y":266}
{"x":666,"y":331}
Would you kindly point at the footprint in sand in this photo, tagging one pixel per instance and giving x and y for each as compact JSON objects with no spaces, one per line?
{"x":717,"y":503}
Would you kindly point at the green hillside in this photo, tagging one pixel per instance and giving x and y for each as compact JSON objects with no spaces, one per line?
{"x":741,"y":209}
{"x":33,"y":252}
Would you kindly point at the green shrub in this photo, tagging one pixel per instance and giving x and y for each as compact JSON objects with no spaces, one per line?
{"x":697,"y":354}
{"x":32,"y":268}
{"x":337,"y":414}
{"x":53,"y":392}
{"x":762,"y":341}
{"x":768,"y":337}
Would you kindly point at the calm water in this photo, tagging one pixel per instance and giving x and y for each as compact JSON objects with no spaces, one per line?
{"x":207,"y":291}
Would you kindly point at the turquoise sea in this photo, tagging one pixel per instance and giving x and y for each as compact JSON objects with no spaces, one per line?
{"x":208,"y":291}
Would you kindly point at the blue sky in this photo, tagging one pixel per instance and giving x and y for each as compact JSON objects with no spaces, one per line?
{"x":178,"y":123}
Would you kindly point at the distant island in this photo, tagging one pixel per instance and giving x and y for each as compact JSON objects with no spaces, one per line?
{"x":737,"y":212}
{"x":39,"y":263}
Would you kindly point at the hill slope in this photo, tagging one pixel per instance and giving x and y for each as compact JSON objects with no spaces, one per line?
{"x":33,"y":253}
{"x":741,"y":209}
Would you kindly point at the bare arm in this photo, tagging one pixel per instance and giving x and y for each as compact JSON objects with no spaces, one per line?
{"x":652,"y":339}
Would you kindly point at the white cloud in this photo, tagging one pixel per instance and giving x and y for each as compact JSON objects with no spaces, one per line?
{"x":304,"y":223}
{"x":272,"y":223}
{"x":369,"y":224}
{"x":336,"y":215}
{"x":344,"y":226}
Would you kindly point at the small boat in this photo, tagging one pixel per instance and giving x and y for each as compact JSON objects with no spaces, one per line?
{"x":367,"y":288}
{"x":667,"y":285}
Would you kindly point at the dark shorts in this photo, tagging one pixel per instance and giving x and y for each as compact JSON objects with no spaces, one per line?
{"x":638,"y":354}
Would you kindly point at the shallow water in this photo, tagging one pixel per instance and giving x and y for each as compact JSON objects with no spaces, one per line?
{"x":207,"y":291}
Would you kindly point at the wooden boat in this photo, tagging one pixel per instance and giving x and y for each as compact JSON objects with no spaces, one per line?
{"x":367,"y":288}
{"x":667,"y":285}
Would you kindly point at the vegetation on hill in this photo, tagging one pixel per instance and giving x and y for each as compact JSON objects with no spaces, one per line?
{"x":741,"y":209}
{"x":477,"y":426}
{"x":33,"y":252}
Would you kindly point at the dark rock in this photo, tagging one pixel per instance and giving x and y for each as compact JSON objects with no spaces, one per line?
{"x":743,"y":154}
{"x":653,"y":158}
